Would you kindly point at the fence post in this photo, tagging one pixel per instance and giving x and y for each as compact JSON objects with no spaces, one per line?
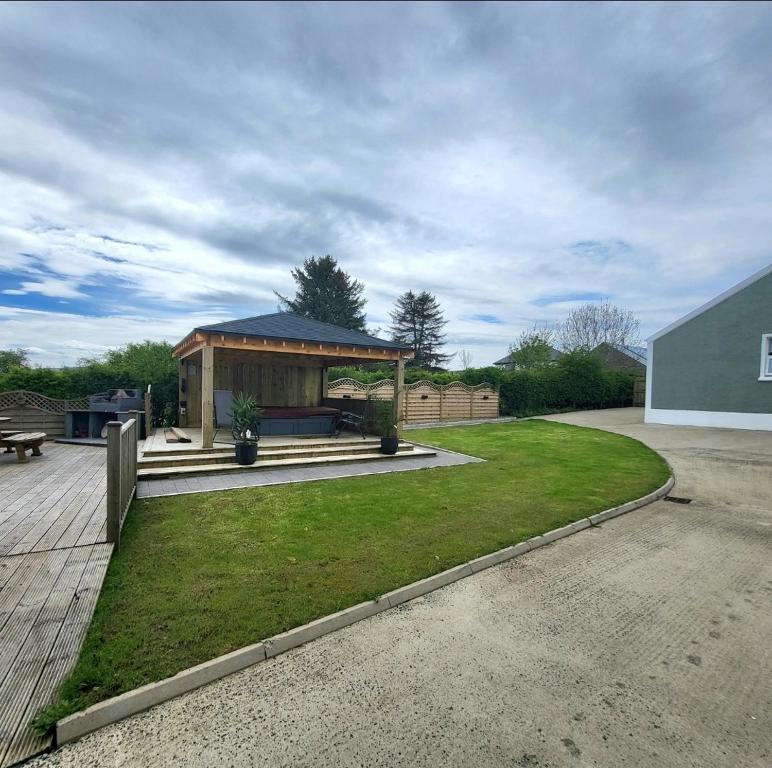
{"x":113,"y":496}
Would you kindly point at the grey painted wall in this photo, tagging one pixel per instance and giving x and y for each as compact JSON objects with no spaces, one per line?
{"x":711,"y":362}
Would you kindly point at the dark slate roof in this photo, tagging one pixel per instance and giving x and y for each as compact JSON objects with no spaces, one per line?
{"x":287,"y":325}
{"x":637,"y":353}
{"x":555,"y":354}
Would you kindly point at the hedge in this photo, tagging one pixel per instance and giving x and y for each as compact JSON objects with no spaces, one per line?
{"x":135,"y":365}
{"x":579,"y":381}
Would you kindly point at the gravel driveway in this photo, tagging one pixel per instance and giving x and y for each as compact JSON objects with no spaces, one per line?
{"x":643,"y":642}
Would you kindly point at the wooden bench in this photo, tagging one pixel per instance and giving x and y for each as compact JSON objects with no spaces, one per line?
{"x":21,"y":442}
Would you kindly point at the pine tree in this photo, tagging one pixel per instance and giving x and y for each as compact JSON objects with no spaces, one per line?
{"x":325,"y":292}
{"x":417,"y":320}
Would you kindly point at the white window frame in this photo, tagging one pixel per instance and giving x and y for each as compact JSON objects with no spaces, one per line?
{"x":766,"y":356}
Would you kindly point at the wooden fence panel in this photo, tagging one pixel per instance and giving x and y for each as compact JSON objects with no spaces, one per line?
{"x":426,"y":401}
{"x":639,"y":392}
{"x":32,"y":412}
{"x":122,"y":440}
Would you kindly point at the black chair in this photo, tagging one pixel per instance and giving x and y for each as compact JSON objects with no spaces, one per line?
{"x":348,"y":420}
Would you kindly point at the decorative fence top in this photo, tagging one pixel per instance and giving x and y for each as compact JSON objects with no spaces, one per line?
{"x":389,"y":384}
{"x":21,"y":397}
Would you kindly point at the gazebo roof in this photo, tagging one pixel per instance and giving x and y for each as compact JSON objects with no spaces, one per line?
{"x":288,"y":333}
{"x":287,"y":325}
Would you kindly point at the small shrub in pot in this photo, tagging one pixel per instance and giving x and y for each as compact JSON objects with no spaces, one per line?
{"x":384,"y":422}
{"x":244,"y":417}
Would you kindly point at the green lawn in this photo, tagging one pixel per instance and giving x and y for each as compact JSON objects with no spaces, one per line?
{"x":200,"y":575}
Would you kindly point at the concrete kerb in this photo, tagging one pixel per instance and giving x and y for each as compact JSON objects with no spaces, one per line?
{"x":136,"y":701}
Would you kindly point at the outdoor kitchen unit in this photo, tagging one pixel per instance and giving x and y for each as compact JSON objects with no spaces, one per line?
{"x":90,"y":425}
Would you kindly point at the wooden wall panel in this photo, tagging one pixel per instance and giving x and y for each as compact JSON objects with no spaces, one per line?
{"x":269,"y":378}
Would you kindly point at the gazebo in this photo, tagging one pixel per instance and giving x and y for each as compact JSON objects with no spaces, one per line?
{"x":281,"y":359}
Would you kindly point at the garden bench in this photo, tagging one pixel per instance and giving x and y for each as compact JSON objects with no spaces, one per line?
{"x":22,"y":441}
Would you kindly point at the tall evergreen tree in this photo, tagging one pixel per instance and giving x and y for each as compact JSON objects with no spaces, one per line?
{"x":417,"y":320}
{"x":325,"y":292}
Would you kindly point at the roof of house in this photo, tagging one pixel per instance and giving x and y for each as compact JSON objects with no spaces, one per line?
{"x":555,"y":354}
{"x":287,"y":325}
{"x":639,"y":354}
{"x":763,"y":272}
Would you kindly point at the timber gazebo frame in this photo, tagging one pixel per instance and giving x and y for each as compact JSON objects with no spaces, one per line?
{"x":280,"y":358}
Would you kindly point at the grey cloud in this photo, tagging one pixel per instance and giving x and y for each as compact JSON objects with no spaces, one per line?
{"x":469,"y":143}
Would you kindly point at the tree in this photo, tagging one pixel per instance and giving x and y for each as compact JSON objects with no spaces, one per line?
{"x":325,"y":292}
{"x":417,"y":320}
{"x":533,"y":349}
{"x":591,"y":324}
{"x":464,"y":359}
{"x":10,"y":358}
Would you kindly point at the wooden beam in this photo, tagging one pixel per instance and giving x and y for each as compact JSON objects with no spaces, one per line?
{"x":398,"y":403}
{"x":287,"y":346}
{"x":325,"y":383}
{"x":207,"y":397}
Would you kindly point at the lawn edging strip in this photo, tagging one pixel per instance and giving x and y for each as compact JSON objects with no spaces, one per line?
{"x":140,"y":699}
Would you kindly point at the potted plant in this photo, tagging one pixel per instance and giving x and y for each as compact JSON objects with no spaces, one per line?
{"x":384,"y":423}
{"x":244,"y":418}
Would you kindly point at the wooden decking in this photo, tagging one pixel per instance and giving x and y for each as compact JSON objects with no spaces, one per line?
{"x":53,"y":558}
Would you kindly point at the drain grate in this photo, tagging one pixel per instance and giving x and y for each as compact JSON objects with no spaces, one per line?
{"x":678,"y":499}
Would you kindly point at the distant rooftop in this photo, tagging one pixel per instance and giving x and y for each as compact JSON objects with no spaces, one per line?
{"x":637,"y":353}
{"x":555,"y":354}
{"x":287,"y":325}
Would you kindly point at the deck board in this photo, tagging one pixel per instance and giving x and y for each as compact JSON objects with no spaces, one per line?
{"x":53,"y":559}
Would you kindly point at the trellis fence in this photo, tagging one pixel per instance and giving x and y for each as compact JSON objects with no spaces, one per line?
{"x":32,"y":412}
{"x":121,"y":474}
{"x":424,"y":400}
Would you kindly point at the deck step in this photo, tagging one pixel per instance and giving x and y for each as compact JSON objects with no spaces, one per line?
{"x":263,"y":454}
{"x":159,"y":473}
{"x":177,"y":449}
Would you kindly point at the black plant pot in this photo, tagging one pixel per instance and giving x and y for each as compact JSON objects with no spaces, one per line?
{"x":389,"y":445}
{"x":246,"y":453}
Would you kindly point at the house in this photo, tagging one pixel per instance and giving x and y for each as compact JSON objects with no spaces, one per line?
{"x":624,"y":358}
{"x":281,"y":359}
{"x":713,"y":367}
{"x":507,"y":364}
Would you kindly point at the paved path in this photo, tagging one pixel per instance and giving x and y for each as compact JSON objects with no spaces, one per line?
{"x":252,"y":478}
{"x":52,"y":562}
{"x":642,"y":642}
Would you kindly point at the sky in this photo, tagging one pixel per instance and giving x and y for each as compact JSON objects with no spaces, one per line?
{"x":166,"y":165}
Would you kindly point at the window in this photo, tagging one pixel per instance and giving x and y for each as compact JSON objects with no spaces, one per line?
{"x":766,"y":357}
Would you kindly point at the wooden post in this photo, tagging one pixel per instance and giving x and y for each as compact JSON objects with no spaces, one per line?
{"x":113,"y":495}
{"x":148,"y":412}
{"x":471,"y":403}
{"x":182,"y":418}
{"x":325,"y":384}
{"x":399,"y":395}
{"x":207,"y":397}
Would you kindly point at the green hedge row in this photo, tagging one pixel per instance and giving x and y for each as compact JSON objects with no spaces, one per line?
{"x":578,"y":381}
{"x":135,"y":365}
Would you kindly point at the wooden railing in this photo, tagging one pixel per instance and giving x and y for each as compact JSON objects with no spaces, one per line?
{"x":425,"y":401}
{"x":121,"y":474}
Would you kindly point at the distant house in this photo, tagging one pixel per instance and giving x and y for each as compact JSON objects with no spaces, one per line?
{"x":506,"y":361}
{"x":713,"y":367}
{"x":620,"y":357}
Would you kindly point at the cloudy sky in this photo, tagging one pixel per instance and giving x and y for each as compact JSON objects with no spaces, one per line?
{"x":162,"y":165}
